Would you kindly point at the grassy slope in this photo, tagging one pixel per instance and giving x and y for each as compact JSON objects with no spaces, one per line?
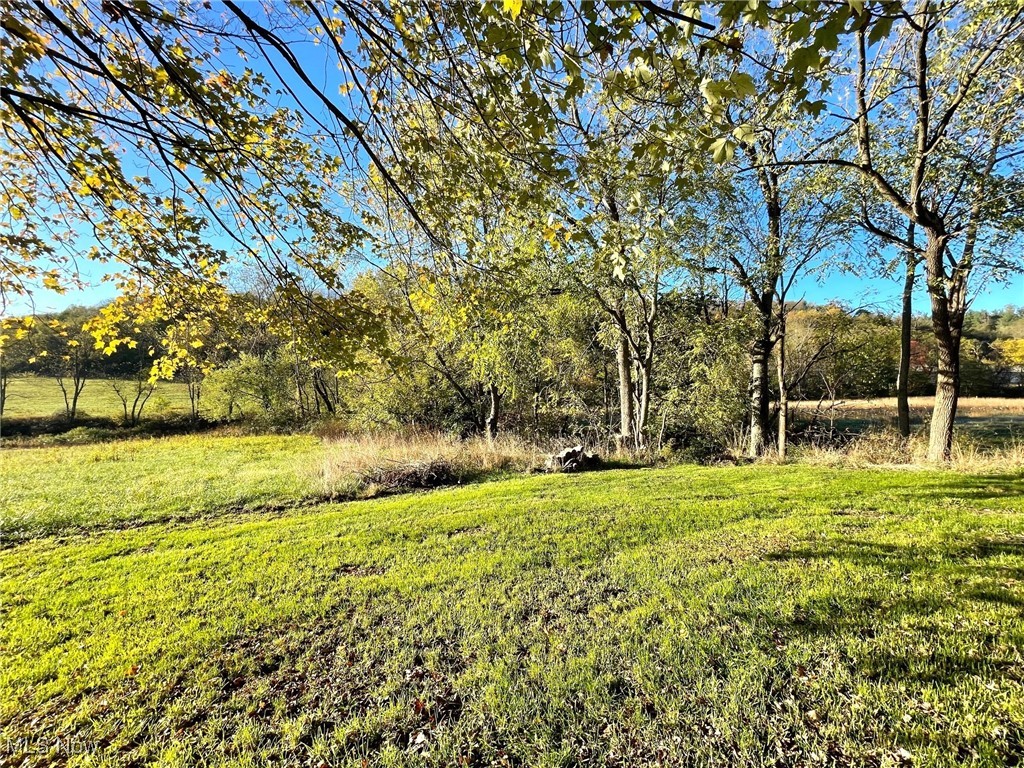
{"x":54,"y":490}
{"x":730,"y":616}
{"x":39,"y":396}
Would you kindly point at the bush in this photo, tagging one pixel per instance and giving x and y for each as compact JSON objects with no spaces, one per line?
{"x":695,"y":448}
{"x":253,"y":387}
{"x":392,"y":477}
{"x":707,"y":382}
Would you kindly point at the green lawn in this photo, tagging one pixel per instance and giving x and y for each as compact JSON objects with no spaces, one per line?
{"x":39,"y":396}
{"x":123,"y":483}
{"x":766,"y":615}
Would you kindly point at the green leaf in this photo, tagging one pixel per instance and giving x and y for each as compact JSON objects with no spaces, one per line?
{"x":744,"y":133}
{"x":743,"y":84}
{"x":880,"y":29}
{"x":803,"y":59}
{"x":723,"y":150}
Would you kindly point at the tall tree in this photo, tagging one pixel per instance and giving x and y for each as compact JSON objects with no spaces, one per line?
{"x":931,"y":83}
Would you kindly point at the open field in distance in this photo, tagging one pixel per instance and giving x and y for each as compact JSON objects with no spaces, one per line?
{"x":39,"y":396}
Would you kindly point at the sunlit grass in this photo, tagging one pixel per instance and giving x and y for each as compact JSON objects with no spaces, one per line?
{"x":108,"y":485}
{"x":688,"y":616}
{"x":61,"y":490}
{"x":39,"y":396}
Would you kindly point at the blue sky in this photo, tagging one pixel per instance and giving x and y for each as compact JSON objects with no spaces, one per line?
{"x":884,"y":293}
{"x":857,"y":291}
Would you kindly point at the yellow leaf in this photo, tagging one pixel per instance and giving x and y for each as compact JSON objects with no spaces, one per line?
{"x":513,"y":8}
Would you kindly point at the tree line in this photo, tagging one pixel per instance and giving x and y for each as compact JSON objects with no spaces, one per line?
{"x":470,"y":166}
{"x":476,"y":376}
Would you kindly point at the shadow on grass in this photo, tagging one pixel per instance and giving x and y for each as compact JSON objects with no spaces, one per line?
{"x":35,"y":432}
{"x":957,"y":558}
{"x":954,"y":486}
{"x":959,"y":644}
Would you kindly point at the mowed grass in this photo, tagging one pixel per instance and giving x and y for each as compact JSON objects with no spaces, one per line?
{"x":758,"y":615}
{"x":117,"y":484}
{"x":40,"y":397}
{"x":47,"y":491}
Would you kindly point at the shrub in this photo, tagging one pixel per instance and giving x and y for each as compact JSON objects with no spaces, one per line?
{"x":391,"y":476}
{"x":255,"y":387}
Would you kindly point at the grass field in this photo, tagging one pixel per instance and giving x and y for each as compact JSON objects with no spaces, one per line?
{"x":38,"y":396}
{"x":757,"y":615}
{"x":885,"y":407}
{"x":124,"y":483}
{"x":129,"y":482}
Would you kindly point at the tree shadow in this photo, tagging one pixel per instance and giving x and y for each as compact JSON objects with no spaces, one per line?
{"x":972,"y":571}
{"x":955,"y":486}
{"x":32,"y":431}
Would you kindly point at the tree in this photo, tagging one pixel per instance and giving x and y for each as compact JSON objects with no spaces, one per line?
{"x":131,"y":370}
{"x":911,"y":259}
{"x":90,"y":93}
{"x":66,"y":351}
{"x":15,"y":353}
{"x":930,"y":132}
{"x":837,"y":354}
{"x":624,"y":253}
{"x":779,"y":223}
{"x":704,"y":377}
{"x":470,"y":301}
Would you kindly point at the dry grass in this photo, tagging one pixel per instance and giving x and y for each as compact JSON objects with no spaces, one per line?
{"x":859,"y":433}
{"x":885,"y":407}
{"x":887,"y":448}
{"x":372,"y":464}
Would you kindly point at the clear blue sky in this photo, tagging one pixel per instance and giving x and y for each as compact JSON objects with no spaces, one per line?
{"x":876,"y":293}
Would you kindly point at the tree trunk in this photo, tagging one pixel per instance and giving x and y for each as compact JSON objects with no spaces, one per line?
{"x":626,"y":418}
{"x":948,"y":295}
{"x":491,"y":423}
{"x":906,"y":326}
{"x":764,"y":297}
{"x":322,"y":392}
{"x":193,"y":395}
{"x":783,"y":390}
{"x":79,"y":385}
{"x":947,"y":324}
{"x":947,"y":393}
{"x":759,"y":390}
{"x":643,"y":404}
{"x":604,"y":393}
{"x":67,"y":400}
